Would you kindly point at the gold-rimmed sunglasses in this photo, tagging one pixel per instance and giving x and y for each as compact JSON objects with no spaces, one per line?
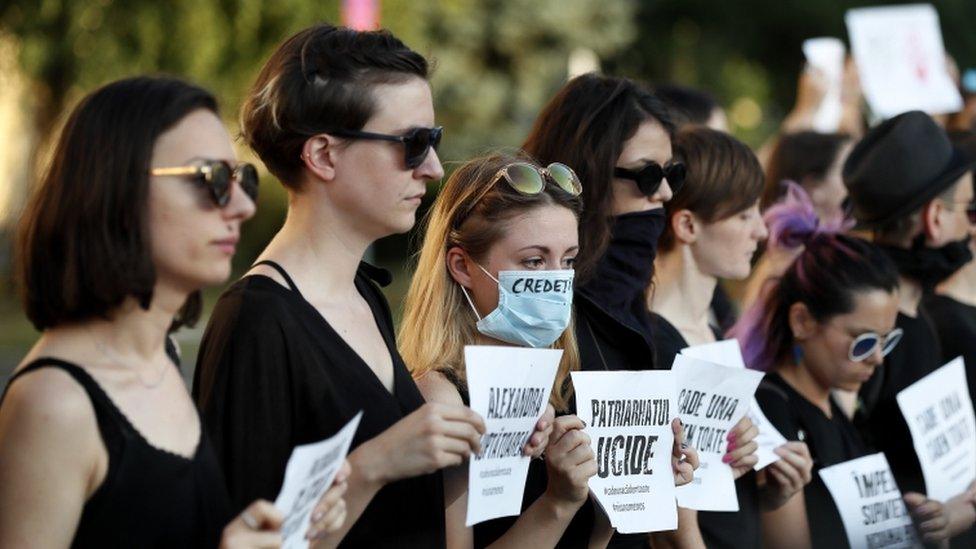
{"x":217,"y":176}
{"x":528,"y":179}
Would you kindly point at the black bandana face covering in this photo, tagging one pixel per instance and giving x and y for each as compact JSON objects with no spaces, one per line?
{"x":625,"y":269}
{"x":930,"y":266}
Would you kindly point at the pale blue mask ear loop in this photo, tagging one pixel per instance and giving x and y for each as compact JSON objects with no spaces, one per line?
{"x":465,"y":291}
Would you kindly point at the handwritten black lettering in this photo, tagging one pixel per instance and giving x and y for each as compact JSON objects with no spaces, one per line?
{"x":630,"y":413}
{"x":624,"y":455}
{"x":514,"y":402}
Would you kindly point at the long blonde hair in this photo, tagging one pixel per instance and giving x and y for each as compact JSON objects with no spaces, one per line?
{"x":437,"y":320}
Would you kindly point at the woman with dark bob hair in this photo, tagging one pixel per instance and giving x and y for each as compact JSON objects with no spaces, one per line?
{"x":100,"y":444}
{"x":295,"y":349}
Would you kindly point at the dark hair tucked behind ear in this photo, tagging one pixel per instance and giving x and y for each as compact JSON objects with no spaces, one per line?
{"x":318,"y":80}
{"x":83,"y":243}
{"x":585,"y":127}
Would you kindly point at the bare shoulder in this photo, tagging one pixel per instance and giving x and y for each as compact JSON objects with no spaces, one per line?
{"x":47,"y":408}
{"x":437,"y":388}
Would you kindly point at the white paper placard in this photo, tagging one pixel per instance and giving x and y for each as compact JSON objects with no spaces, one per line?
{"x":939,"y":413}
{"x":509,"y":387}
{"x":628,"y":418}
{"x":870,"y":504}
{"x":310,"y":471}
{"x":901,"y":60}
{"x":728,"y":353}
{"x":826,"y":54}
{"x":711,"y":399}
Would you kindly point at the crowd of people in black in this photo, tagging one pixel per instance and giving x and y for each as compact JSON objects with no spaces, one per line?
{"x":854,"y":247}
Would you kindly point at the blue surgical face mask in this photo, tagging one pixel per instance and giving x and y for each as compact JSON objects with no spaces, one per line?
{"x":534,"y":307}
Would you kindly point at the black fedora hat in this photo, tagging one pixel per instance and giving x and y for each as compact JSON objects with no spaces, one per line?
{"x":899,"y":166}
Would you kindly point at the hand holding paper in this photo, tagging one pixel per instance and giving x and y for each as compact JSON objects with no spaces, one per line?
{"x":711,"y":400}
{"x":789,"y":475}
{"x":684,"y":458}
{"x":929,"y":516}
{"x":433,"y":437}
{"x":570,"y":462}
{"x":536,"y":445}
{"x":312,"y":469}
{"x":741,"y":450}
{"x":826,"y":56}
{"x":329,"y":515}
{"x":728,"y":353}
{"x":257,"y":526}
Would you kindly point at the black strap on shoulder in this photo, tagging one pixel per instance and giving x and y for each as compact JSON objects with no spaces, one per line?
{"x":378,"y":275}
{"x":281,"y":270}
{"x":78,"y":373}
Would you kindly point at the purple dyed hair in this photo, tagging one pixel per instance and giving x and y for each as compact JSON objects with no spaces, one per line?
{"x":829,"y":269}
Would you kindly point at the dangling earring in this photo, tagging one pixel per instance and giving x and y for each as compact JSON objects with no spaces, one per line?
{"x":797,"y":354}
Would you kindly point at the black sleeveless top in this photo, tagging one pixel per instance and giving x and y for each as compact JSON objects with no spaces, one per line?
{"x":273,"y":374}
{"x":150,"y":497}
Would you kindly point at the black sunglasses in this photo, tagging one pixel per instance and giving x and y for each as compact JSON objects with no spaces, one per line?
{"x":417,"y":141}
{"x":649,"y":177}
{"x":217,"y":176}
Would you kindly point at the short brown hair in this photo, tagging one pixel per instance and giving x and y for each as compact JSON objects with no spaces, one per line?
{"x":319,"y":80}
{"x":83,"y":243}
{"x":724,"y":178}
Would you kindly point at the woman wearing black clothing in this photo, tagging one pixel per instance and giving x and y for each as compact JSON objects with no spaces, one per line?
{"x":712,"y":231}
{"x":826,"y":324}
{"x":344,"y":119}
{"x":617,"y":136}
{"x":100,"y":444}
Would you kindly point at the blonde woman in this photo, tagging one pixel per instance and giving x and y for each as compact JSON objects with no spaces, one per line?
{"x":499,"y":219}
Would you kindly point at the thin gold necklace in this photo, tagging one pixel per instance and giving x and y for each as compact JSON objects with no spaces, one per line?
{"x":115,"y":358}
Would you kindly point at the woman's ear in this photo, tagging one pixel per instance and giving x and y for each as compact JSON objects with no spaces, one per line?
{"x":318,"y":155}
{"x":802,"y":323}
{"x":685,"y":226}
{"x":457,"y":265}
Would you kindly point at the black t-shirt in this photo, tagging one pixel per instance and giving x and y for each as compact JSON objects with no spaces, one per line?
{"x":831,"y":440}
{"x":879,"y":418}
{"x":272,"y":374}
{"x":955,"y":324}
{"x":719,"y":529}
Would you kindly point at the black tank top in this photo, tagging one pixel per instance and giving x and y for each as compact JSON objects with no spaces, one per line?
{"x":150,"y":497}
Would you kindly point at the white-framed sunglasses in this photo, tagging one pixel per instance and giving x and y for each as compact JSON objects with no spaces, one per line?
{"x":864,"y":345}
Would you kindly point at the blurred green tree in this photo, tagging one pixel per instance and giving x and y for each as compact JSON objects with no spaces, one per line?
{"x":497,"y":61}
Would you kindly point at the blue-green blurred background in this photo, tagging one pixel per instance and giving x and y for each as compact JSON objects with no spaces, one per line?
{"x":497,"y":62}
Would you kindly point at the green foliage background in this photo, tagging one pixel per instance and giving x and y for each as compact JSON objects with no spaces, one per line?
{"x":497,"y":62}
